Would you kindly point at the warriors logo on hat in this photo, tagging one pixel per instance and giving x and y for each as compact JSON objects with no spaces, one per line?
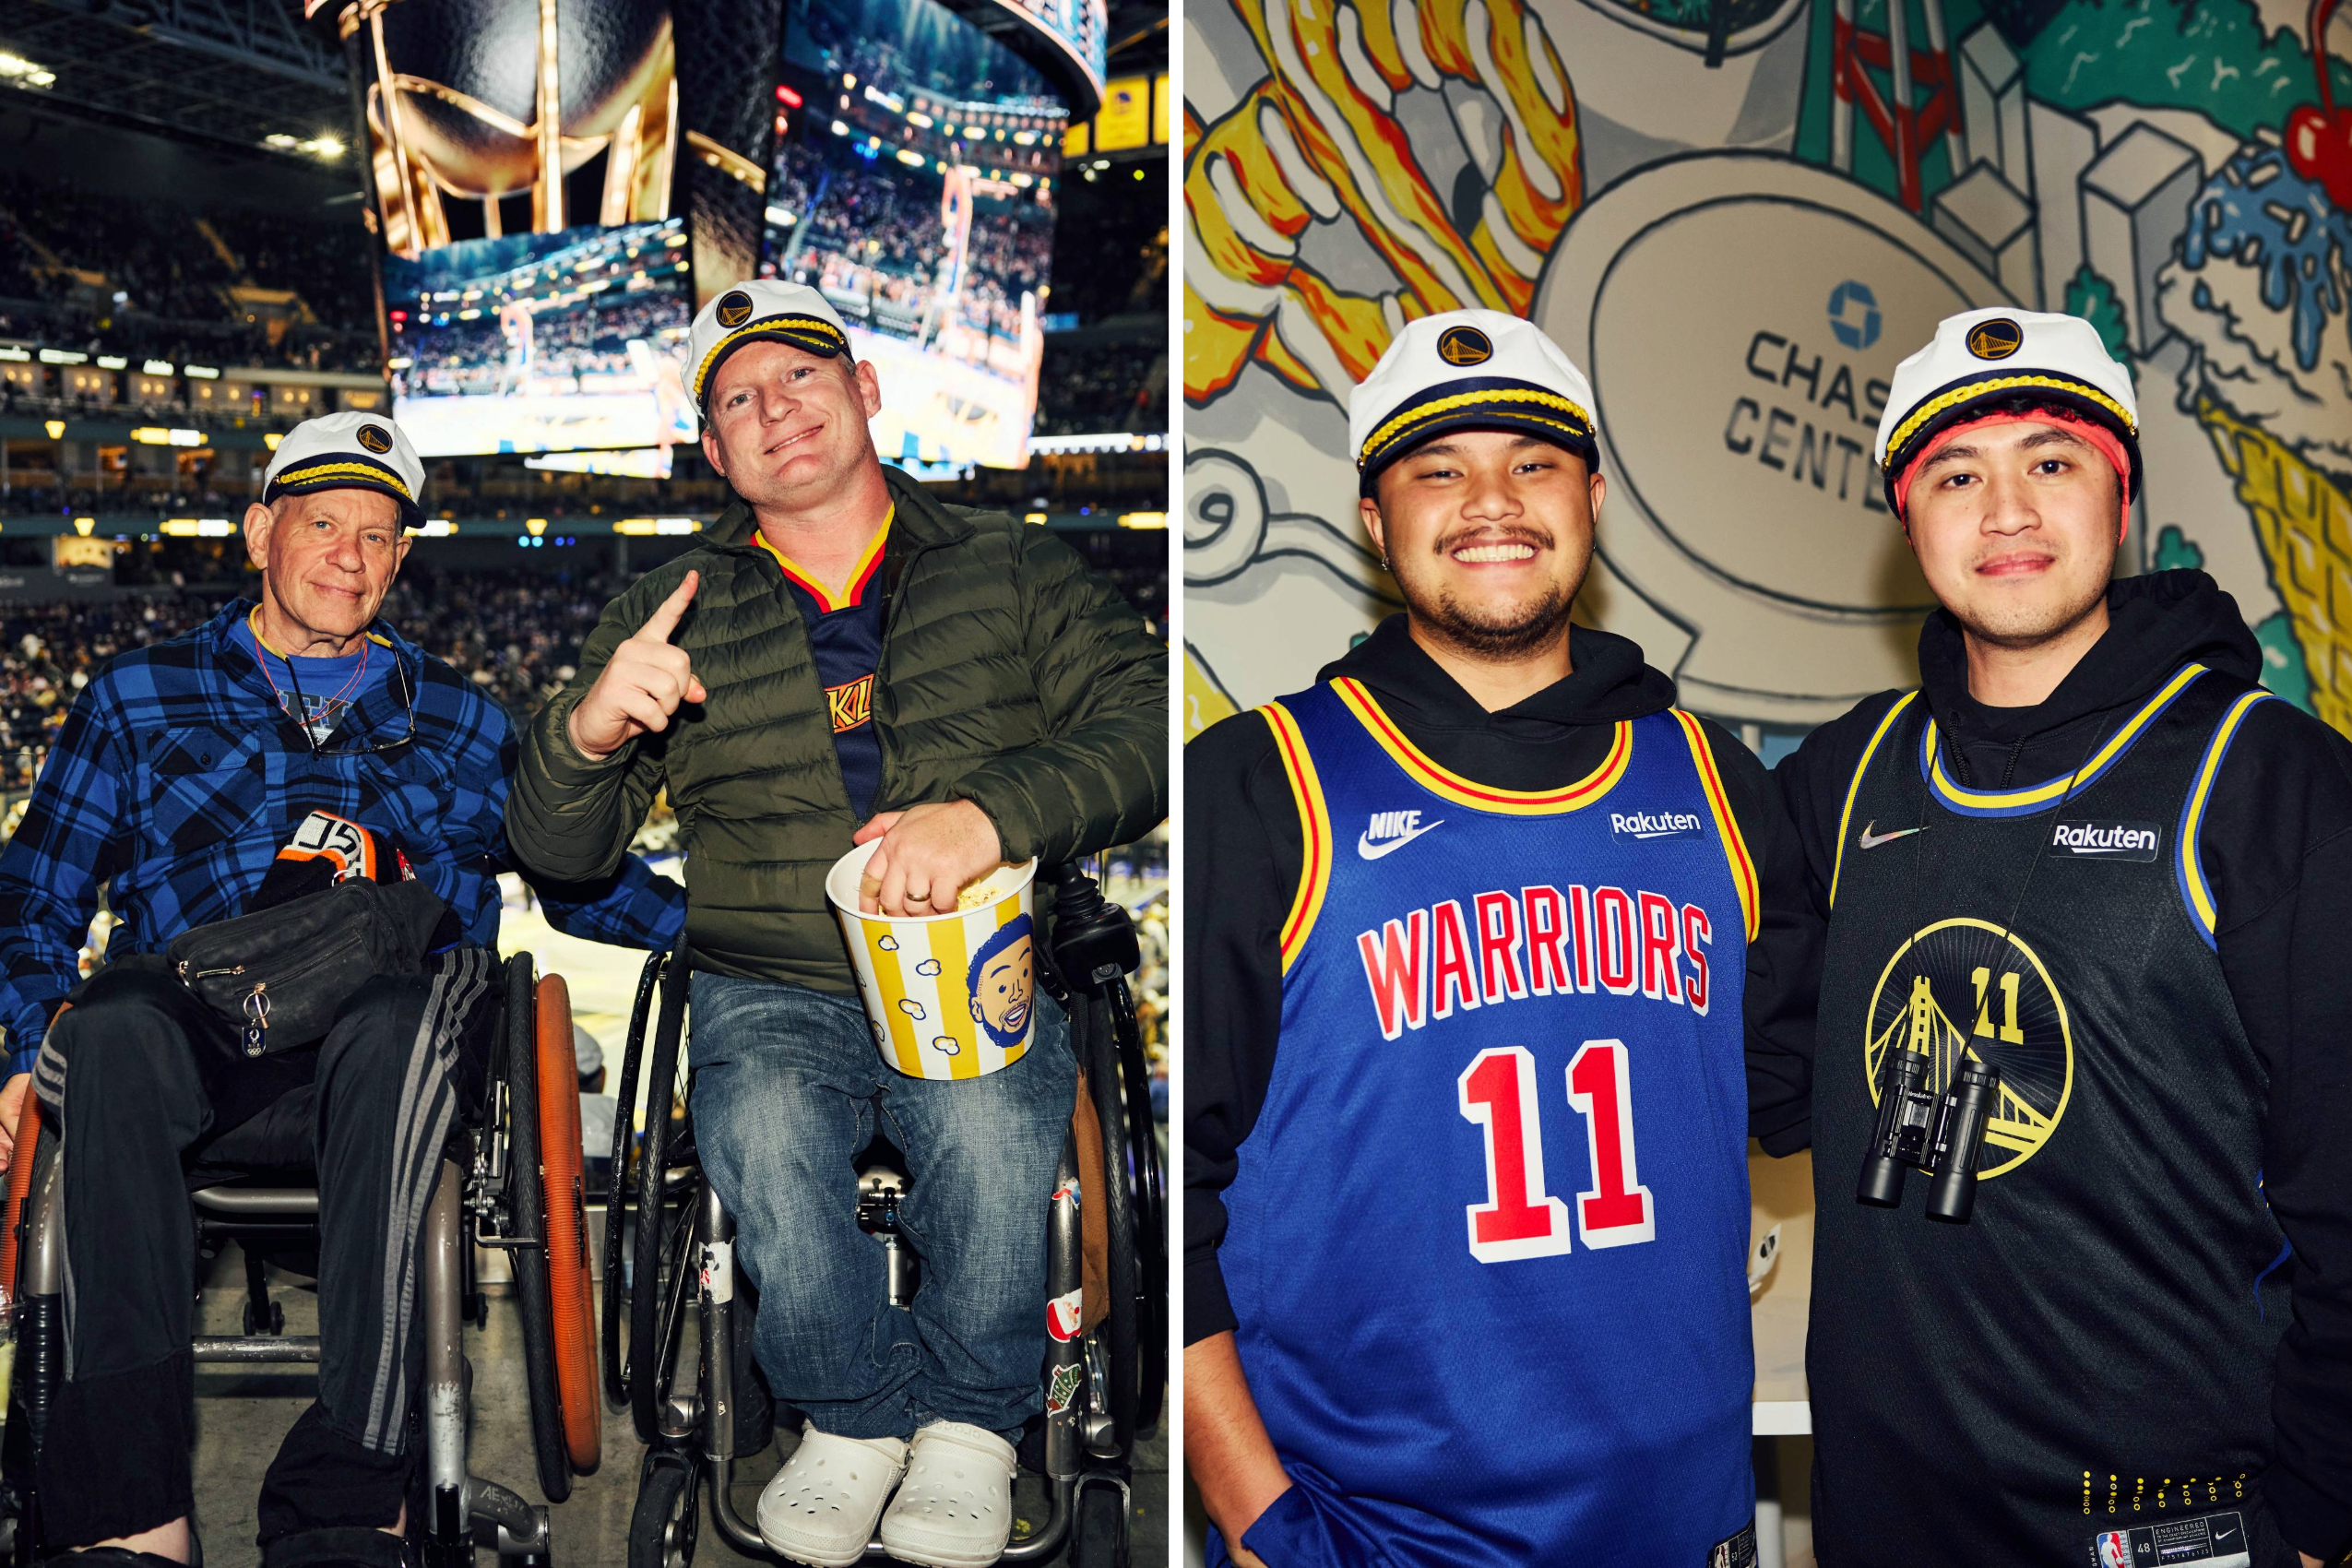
{"x":1464,"y":345}
{"x":1468,"y":369}
{"x":374,"y":438}
{"x":734,"y":308}
{"x":1995,"y":339}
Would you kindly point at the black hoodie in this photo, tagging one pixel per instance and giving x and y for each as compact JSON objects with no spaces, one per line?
{"x":1241,"y":860}
{"x":2278,"y":850}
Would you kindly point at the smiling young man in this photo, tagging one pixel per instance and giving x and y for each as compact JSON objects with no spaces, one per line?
{"x":2093,"y":863}
{"x":289,"y":741}
{"x":843,"y":659}
{"x":1468,"y":925}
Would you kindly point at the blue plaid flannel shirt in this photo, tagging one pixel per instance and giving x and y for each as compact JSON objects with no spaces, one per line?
{"x":177,"y":778}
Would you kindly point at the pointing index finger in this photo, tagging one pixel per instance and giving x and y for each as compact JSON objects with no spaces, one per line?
{"x":664,"y":620}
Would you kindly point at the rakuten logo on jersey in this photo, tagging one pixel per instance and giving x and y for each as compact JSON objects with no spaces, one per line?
{"x":1539,"y":940}
{"x":1633,"y":826}
{"x":2107,"y":840}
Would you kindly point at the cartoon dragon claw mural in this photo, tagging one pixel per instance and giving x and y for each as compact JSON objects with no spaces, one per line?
{"x":1682,"y":192}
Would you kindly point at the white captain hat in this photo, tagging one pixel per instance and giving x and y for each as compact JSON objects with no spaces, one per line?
{"x":1985,"y":362}
{"x":1468,"y":369}
{"x":759,"y":310}
{"x":349,"y":451}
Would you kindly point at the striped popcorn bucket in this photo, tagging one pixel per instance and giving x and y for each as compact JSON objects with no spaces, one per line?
{"x":950,"y":995}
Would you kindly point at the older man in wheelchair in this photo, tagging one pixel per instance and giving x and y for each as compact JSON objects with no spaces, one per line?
{"x":296,"y":818}
{"x":842,"y":660}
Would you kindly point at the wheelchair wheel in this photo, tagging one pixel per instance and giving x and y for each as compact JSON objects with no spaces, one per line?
{"x":663,"y":1527}
{"x":650,"y":1340}
{"x":1101,"y":1538}
{"x":40,"y":1364}
{"x":1150,"y":1230}
{"x":616,"y":1196}
{"x":526,"y":1226}
{"x":563,"y":1186}
{"x":1120,"y":1324}
{"x":20,"y":1164}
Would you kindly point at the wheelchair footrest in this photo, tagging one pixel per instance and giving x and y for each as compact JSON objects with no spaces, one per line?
{"x":258,"y":1348}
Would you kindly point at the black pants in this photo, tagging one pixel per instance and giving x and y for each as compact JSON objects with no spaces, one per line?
{"x":156,"y":1095}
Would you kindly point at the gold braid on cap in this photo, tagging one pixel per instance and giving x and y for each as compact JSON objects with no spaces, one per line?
{"x":1399,"y":424}
{"x":809,"y":332}
{"x":341,"y":471}
{"x":1958,"y":394}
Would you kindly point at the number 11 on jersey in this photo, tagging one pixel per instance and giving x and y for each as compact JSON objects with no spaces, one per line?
{"x":1519,"y":1218}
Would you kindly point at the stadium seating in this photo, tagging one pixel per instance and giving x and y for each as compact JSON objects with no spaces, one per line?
{"x":151,"y":280}
{"x":1101,"y":387}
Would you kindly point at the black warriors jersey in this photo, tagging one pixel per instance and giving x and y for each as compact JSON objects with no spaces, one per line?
{"x":2089,"y":1359}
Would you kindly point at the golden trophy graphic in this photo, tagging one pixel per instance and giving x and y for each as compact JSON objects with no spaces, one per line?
{"x":479,"y":101}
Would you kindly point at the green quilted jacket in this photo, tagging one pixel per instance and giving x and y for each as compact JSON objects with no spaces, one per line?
{"x":1011,"y":676}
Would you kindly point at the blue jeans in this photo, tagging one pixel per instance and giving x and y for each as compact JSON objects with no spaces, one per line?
{"x":788,"y":1087}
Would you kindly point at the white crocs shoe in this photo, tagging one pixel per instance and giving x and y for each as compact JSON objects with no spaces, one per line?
{"x":955,"y":1509}
{"x":820,"y":1507}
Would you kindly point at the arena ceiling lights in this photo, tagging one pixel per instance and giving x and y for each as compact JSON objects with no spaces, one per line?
{"x":17,"y":71}
{"x":217,"y":73}
{"x":326,"y":149}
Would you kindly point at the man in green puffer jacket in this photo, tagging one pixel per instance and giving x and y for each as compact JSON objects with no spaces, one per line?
{"x":842,"y":660}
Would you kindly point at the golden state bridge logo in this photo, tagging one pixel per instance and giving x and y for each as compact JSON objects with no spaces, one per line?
{"x":1964,"y":985}
{"x":1996,"y":340}
{"x":1465,"y":346}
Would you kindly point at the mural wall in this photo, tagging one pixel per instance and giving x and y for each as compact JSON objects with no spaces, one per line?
{"x":1737,"y":215}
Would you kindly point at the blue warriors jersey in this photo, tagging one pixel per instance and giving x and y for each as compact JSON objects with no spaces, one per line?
{"x":1489,"y":1235}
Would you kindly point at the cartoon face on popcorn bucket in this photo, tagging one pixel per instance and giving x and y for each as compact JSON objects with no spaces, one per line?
{"x":949,"y":995}
{"x":1001,"y":976}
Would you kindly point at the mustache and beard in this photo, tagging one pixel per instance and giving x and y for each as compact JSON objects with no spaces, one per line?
{"x":1493,"y":629}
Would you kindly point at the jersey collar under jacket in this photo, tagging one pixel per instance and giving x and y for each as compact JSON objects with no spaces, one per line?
{"x":2157,"y":624}
{"x":916,"y":515}
{"x":917,"y":523}
{"x":1609,"y":684}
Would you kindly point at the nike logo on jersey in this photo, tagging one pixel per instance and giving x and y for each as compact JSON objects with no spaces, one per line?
{"x":1872,"y":840}
{"x":1391,"y":831}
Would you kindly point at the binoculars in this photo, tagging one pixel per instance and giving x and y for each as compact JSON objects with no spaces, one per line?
{"x":1944,"y":1132}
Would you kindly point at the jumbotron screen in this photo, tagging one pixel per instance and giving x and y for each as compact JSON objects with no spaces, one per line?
{"x":913,"y":186}
{"x":526,"y":165}
{"x":542,"y":342}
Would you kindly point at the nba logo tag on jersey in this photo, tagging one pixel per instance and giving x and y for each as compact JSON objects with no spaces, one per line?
{"x":2208,"y":1541}
{"x":1737,"y":1552}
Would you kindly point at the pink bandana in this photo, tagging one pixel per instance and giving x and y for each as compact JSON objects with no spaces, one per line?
{"x":2098,"y":435}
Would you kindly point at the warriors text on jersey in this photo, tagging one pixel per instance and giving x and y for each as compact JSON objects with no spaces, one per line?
{"x":1488,"y":1237}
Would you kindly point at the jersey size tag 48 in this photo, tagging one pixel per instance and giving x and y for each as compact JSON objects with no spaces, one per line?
{"x":2208,"y":1541}
{"x":2105,"y":840}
